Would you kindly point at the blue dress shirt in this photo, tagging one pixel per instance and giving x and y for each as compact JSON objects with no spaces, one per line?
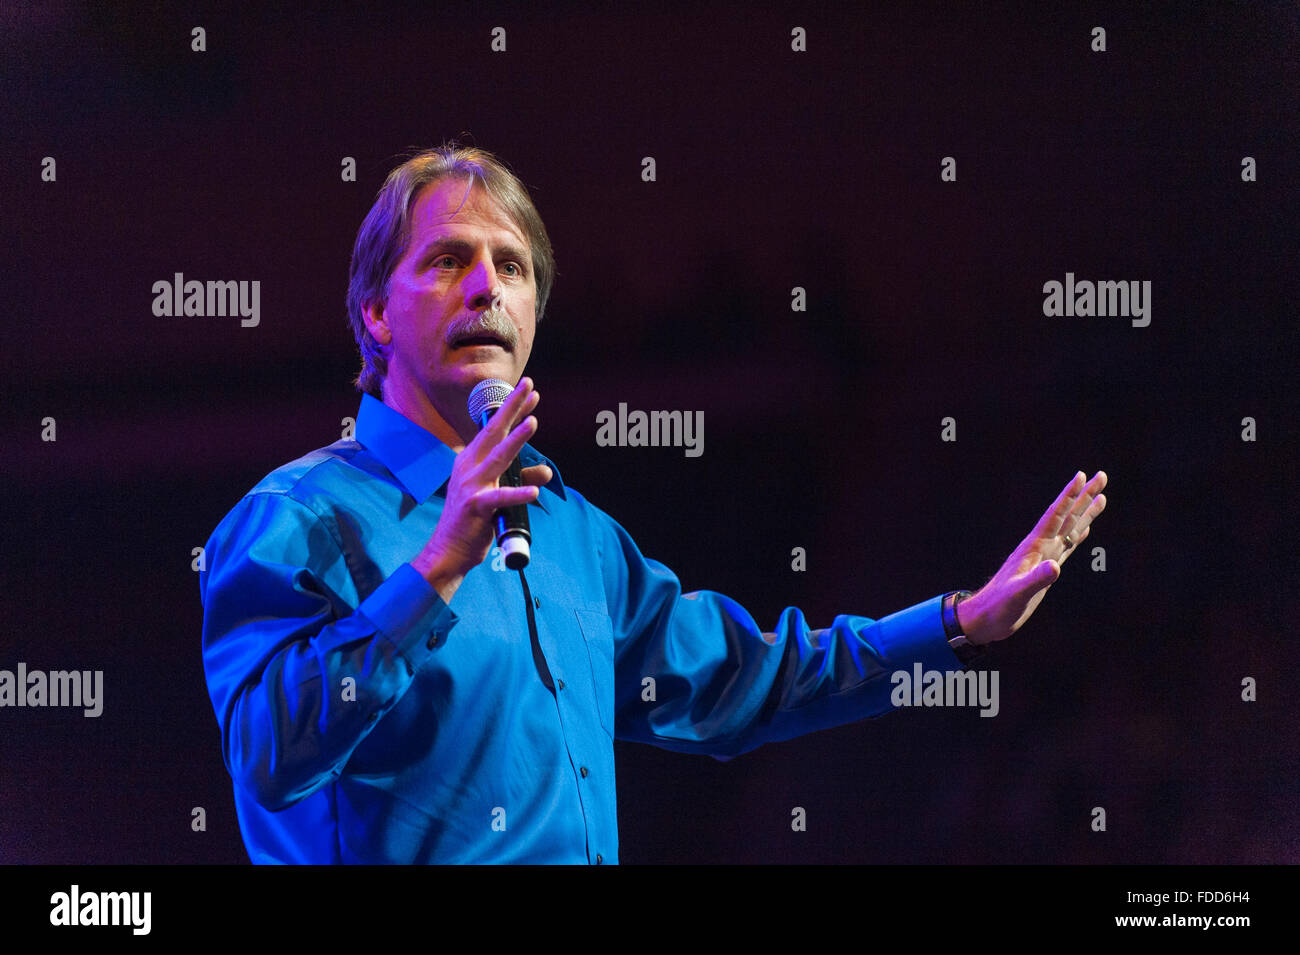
{"x":365,"y":720}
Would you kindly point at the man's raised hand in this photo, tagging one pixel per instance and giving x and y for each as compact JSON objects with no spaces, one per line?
{"x":1002,"y":606}
{"x":465,"y":530}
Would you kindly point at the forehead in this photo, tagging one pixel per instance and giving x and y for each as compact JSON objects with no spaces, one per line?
{"x":444,"y":207}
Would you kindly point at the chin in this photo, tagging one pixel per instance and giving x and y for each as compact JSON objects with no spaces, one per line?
{"x":494,"y":370}
{"x":472,"y":374}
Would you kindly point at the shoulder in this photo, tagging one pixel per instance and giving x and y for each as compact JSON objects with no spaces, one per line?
{"x":312,"y":487}
{"x":605,"y":533}
{"x":575,"y":504}
{"x":324,"y":469}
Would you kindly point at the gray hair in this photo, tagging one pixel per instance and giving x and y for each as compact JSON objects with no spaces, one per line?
{"x":386,"y":231}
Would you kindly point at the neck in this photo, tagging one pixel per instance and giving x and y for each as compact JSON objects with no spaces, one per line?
{"x":418,"y":408}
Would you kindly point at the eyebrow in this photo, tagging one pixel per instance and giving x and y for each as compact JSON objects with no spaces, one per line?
{"x":444,"y":241}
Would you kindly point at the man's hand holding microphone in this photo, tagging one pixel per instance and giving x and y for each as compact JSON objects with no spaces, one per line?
{"x":466,"y":530}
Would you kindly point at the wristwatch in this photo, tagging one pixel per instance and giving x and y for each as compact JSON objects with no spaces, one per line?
{"x":958,"y":642}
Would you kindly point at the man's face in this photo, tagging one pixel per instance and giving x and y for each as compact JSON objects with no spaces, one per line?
{"x":444,"y":332}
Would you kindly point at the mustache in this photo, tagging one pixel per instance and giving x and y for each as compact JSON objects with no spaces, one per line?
{"x":491,"y":322}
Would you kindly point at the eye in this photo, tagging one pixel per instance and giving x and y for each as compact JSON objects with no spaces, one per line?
{"x":444,"y":258}
{"x":515,"y":266}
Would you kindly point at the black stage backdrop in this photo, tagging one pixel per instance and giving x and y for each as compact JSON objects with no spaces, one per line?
{"x":794,"y":146}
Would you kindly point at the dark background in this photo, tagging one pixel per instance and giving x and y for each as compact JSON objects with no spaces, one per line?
{"x":775,"y":169}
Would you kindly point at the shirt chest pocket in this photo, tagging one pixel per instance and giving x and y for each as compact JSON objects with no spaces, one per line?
{"x":598,"y":635}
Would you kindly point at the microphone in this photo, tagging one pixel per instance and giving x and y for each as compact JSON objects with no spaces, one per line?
{"x":513,"y":535}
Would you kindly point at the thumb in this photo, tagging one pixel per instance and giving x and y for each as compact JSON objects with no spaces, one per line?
{"x":1047,"y":573}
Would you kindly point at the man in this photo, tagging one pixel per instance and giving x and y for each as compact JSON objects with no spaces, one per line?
{"x":388,"y":693}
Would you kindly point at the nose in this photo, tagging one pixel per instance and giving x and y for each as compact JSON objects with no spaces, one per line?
{"x":481,"y":285}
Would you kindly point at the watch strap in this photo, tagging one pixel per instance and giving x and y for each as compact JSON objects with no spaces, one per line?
{"x":962,"y":648}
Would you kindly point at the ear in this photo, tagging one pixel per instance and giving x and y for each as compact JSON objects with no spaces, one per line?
{"x":377,"y":323}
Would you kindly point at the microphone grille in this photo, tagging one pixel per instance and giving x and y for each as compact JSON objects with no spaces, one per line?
{"x":488,"y":393}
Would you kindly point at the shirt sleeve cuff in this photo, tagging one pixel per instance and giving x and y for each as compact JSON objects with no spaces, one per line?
{"x":409,"y":613}
{"x":916,"y":634}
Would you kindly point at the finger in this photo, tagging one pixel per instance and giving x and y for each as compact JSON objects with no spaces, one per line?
{"x":1040,"y":576}
{"x":1082,"y":516}
{"x":1089,"y":493}
{"x":527,"y":401}
{"x":496,"y":429}
{"x":521,"y":401}
{"x":1050,"y":523}
{"x":494,"y":465}
{"x":1085,"y":508}
{"x":538,"y":474}
{"x":1075,"y":540}
{"x":1082,"y":500}
{"x":492,"y":499}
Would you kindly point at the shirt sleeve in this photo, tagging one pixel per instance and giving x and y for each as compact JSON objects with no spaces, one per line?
{"x":299,"y":667}
{"x":722,"y":685}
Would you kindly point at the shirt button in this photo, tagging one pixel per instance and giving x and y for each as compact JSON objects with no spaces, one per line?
{"x":583,"y":770}
{"x":537,"y":602}
{"x":372,"y":717}
{"x":599,"y":858}
{"x":560,"y":684}
{"x":433,"y":640}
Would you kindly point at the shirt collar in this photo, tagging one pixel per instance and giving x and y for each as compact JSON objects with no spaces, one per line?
{"x":418,"y":459}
